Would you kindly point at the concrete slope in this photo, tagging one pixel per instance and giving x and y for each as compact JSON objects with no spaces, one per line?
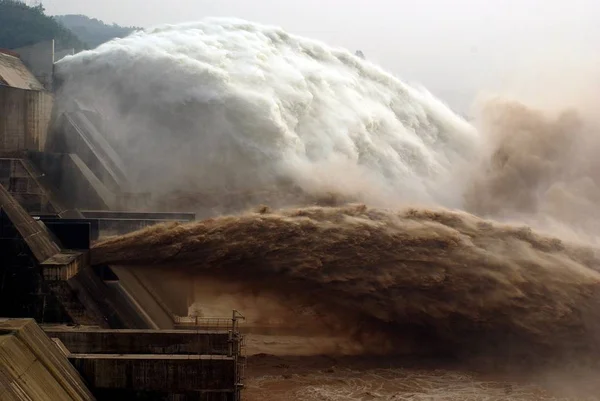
{"x":86,"y":340}
{"x":33,"y":368}
{"x":28,"y":186}
{"x":44,"y":183}
{"x":83,"y":139}
{"x":109,"y":307}
{"x":14,"y":73}
{"x":139,"y":288}
{"x":70,"y":176}
{"x":38,"y":240}
{"x":147,"y":301}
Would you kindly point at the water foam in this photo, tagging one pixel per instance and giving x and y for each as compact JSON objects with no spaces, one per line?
{"x":226,"y":105}
{"x":432,"y":281}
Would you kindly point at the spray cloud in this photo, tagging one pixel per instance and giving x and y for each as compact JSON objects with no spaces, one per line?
{"x":227,"y":106}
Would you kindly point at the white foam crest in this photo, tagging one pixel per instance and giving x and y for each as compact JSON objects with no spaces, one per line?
{"x":226,"y":105}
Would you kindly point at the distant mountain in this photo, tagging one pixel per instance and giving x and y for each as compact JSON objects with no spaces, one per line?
{"x":22,"y":25}
{"x":91,"y":31}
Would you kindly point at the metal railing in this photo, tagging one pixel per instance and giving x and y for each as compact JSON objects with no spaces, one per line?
{"x":210,"y":323}
{"x":203,"y":323}
{"x":235,"y":342}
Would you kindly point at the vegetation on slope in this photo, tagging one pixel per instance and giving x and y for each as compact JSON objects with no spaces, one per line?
{"x":22,"y":25}
{"x":92,"y":31}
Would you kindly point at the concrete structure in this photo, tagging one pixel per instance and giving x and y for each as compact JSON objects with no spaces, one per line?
{"x":58,"y":285}
{"x":28,"y":186}
{"x":31,"y":261}
{"x":187,"y":364}
{"x":33,"y":368}
{"x":43,"y":280}
{"x":39,"y":59}
{"x":79,"y":135}
{"x":116,"y":364}
{"x":25,"y":117}
{"x":38,"y":241}
{"x":61,"y":188}
{"x":14,"y":73}
{"x":115,"y":223}
{"x":190,"y":377}
{"x":86,"y":340}
{"x":25,"y":109}
{"x":68,"y":174}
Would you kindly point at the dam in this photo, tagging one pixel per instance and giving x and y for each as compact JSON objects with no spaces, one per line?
{"x":70,"y":330}
{"x":378,"y":264}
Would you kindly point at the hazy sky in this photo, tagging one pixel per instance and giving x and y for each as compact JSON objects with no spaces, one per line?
{"x":456,"y":48}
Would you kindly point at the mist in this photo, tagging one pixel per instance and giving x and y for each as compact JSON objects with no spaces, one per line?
{"x":221,"y":115}
{"x":436,"y":199}
{"x":455,"y":49}
{"x":228,"y":107}
{"x":224,"y":107}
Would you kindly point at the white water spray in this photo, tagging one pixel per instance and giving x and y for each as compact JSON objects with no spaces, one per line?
{"x":227,"y":109}
{"x":222,"y":106}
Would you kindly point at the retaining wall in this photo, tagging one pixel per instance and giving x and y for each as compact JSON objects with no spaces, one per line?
{"x":33,"y":368}
{"x":24,"y":119}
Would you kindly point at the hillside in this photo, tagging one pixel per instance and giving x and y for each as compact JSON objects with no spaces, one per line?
{"x":22,"y":25}
{"x":91,"y":31}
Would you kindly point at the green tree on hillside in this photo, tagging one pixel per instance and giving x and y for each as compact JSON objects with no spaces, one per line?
{"x":93,"y":31}
{"x":22,"y":25}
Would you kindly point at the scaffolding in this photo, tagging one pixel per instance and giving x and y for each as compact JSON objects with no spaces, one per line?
{"x":23,"y":183}
{"x":235,"y":343}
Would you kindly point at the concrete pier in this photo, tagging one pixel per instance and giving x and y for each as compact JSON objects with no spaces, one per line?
{"x":172,"y":373}
{"x":61,"y":189}
{"x":33,"y":368}
{"x":161,"y":364}
{"x":175,"y":342}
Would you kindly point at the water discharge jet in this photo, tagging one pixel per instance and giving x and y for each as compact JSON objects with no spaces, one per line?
{"x":229,"y":106}
{"x":222,"y":107}
{"x":466,"y":283}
